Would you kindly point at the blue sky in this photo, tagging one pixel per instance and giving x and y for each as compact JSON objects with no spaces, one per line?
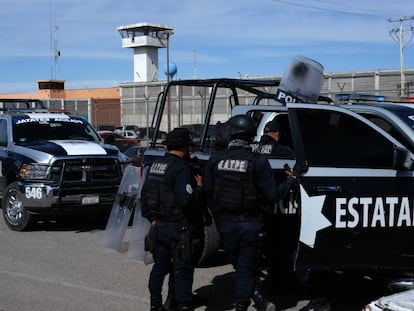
{"x":214,"y":38}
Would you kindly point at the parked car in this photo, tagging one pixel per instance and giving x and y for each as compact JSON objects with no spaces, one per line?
{"x":136,"y":153}
{"x":123,"y":143}
{"x":142,"y":133}
{"x":106,"y":127}
{"x":122,"y":128}
{"x":130,"y":134}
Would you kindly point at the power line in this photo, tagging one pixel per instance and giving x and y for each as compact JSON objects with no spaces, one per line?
{"x":320,"y":8}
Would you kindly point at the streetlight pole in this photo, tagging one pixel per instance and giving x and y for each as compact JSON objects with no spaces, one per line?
{"x":168,"y":33}
{"x":147,"y":111}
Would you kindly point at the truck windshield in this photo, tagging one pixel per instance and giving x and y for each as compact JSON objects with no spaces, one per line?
{"x":26,"y":130}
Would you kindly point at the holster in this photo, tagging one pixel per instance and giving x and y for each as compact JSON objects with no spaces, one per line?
{"x":183,"y":246}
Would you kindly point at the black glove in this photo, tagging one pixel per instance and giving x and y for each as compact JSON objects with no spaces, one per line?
{"x":299,"y":169}
{"x":195,"y":165}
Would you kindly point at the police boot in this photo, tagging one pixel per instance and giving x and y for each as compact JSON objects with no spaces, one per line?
{"x":170,"y":303}
{"x":262,"y":303}
{"x":156,"y":304}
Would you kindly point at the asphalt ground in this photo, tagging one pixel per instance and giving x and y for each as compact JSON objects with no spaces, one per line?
{"x":63,"y":265}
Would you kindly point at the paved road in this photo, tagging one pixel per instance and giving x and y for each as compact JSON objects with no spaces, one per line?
{"x":64,"y":266}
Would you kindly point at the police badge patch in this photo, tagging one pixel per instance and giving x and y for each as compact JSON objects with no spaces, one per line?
{"x":189,"y":189}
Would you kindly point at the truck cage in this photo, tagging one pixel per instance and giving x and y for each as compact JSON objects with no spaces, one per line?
{"x":259,"y":89}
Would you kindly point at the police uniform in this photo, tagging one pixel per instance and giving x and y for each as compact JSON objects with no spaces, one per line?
{"x":169,"y":198}
{"x":271,"y":148}
{"x":240,"y":182}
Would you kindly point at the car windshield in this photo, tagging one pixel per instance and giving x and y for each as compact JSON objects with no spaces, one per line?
{"x":26,"y":129}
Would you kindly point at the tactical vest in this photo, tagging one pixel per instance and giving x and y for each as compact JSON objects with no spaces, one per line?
{"x":234,"y":190}
{"x":266,"y":149}
{"x":160,"y":193}
{"x":263,"y":148}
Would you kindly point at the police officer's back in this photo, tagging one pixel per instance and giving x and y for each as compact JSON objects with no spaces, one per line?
{"x":169,"y":202}
{"x":241,"y":182}
{"x":270,"y":145}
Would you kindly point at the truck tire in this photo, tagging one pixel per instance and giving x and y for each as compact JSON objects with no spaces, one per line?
{"x":211,"y":244}
{"x":15,"y":214}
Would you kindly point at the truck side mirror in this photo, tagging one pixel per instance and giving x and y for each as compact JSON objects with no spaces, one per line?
{"x":402,"y":159}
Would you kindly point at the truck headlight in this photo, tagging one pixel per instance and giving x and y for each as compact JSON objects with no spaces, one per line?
{"x":34,"y":171}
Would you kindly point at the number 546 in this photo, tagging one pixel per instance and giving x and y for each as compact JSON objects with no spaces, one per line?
{"x":33,"y":193}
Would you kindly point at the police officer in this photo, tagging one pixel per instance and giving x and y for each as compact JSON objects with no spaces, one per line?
{"x":269,"y":144}
{"x":169,"y":198}
{"x":239,"y":181}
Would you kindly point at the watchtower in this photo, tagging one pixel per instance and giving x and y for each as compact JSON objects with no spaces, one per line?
{"x":145,"y":39}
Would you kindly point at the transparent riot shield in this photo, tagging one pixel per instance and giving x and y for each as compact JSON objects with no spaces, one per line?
{"x":122,"y":208}
{"x":140,"y":228}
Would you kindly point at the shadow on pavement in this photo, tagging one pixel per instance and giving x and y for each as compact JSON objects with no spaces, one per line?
{"x":80,"y":222}
{"x":219,"y":292}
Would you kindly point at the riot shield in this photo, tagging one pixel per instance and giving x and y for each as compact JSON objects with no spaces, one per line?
{"x":140,"y":228}
{"x":122,"y":208}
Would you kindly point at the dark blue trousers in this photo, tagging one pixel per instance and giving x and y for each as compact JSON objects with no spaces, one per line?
{"x":241,"y":245}
{"x":167,"y":261}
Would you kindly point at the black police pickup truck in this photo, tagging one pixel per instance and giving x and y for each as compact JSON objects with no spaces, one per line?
{"x":52,"y":162}
{"x":353,"y":210}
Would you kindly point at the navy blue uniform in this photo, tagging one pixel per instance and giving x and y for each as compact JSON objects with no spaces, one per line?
{"x":272,"y":149}
{"x":169,"y":197}
{"x":241,"y":184}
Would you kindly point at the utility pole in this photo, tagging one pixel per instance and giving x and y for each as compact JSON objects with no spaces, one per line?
{"x":398,"y":35}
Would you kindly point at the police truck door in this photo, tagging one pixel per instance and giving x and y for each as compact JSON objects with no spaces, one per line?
{"x":356,"y":206}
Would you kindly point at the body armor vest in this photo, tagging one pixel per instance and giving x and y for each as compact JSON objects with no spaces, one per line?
{"x":267,"y":149}
{"x":161,"y":197}
{"x":234,"y":190}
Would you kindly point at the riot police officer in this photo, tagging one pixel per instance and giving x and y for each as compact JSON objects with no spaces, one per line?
{"x":169,"y":201}
{"x":240,"y":182}
{"x":269,"y":144}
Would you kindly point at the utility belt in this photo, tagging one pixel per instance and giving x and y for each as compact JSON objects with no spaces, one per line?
{"x":176,"y":217}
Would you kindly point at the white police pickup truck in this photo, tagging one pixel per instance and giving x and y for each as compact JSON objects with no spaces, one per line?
{"x":354,"y":208}
{"x":51,"y":163}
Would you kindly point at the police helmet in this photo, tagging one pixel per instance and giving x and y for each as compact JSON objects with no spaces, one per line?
{"x":242,"y":125}
{"x":179,"y":137}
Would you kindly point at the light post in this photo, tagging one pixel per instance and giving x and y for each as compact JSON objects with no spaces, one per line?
{"x":168,"y":33}
{"x":147,"y":113}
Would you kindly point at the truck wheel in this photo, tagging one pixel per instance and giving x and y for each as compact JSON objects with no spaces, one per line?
{"x":15,"y":214}
{"x":211,"y":244}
